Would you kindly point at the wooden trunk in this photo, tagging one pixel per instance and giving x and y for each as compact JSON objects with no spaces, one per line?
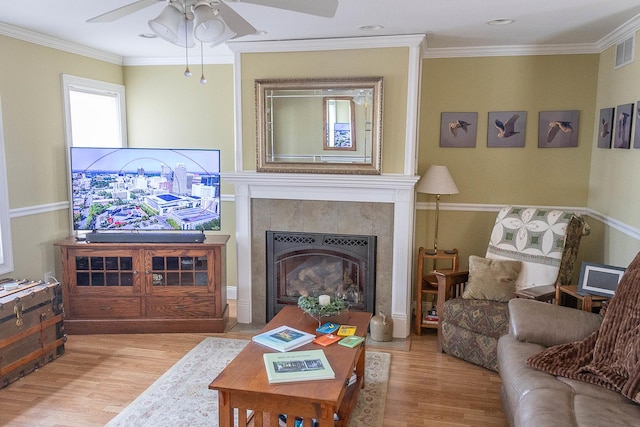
{"x":31,"y":328}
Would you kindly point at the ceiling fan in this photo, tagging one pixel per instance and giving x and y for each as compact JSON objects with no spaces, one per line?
{"x":210,"y":21}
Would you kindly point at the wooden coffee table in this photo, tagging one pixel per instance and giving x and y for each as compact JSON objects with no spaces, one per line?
{"x":243,"y":384}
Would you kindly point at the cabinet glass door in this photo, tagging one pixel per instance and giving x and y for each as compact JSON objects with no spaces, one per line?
{"x":115,"y":273}
{"x":169,"y":271}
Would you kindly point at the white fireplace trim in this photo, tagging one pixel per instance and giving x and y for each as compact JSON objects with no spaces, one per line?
{"x":386,"y":188}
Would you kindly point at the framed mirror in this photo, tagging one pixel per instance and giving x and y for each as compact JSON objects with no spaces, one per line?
{"x":319,"y":125}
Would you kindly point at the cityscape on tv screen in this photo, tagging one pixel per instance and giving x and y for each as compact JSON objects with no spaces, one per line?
{"x":145,"y":189}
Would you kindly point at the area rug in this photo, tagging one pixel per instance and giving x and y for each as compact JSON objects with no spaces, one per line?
{"x":181,"y":397}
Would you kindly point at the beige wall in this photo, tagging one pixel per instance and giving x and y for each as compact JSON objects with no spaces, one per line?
{"x":34,"y":117}
{"x":166,"y":109}
{"x":32,"y":109}
{"x":503,"y":176}
{"x":532,"y":175}
{"x":389,"y":63}
{"x":613,"y":183}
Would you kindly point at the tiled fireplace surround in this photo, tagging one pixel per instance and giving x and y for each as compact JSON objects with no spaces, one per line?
{"x":380,"y":205}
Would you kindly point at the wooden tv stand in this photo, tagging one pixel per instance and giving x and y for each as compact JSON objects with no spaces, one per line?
{"x":144,"y":287}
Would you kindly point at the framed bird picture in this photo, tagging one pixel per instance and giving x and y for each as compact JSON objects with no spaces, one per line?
{"x":636,"y":138}
{"x":558,"y":129}
{"x":605,"y":128}
{"x":622,"y":129}
{"x":506,"y":129}
{"x":458,"y":129}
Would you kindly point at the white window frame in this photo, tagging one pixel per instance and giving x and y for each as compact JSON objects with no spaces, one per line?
{"x":6,"y":249}
{"x":96,"y":87}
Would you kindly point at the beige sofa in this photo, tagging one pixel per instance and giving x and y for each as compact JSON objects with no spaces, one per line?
{"x":534,"y":398}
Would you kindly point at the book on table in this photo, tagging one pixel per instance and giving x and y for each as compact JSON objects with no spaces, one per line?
{"x":431,"y":320}
{"x":328,"y":328}
{"x":304,"y":365}
{"x":351,"y":341}
{"x":346,"y":330}
{"x":327,"y":339}
{"x":283,"y":338}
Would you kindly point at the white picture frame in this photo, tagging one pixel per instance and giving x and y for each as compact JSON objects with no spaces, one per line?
{"x":599,"y":279}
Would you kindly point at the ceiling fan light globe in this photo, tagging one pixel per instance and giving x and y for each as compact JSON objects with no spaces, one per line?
{"x":209,"y":30}
{"x":208,"y":25}
{"x":185,"y":34}
{"x":227,"y":34}
{"x":167,"y":24}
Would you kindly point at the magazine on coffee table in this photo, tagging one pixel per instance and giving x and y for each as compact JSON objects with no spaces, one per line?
{"x":297,"y":366}
{"x":284,"y":338}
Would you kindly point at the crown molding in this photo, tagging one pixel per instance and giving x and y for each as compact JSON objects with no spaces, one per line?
{"x":417,"y":40}
{"x":620,"y":33}
{"x":54,"y":43}
{"x":521,"y":50}
{"x":207,"y":60}
{"x":411,"y":40}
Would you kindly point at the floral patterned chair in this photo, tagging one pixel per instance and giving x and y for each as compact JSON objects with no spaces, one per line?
{"x":531,"y":251}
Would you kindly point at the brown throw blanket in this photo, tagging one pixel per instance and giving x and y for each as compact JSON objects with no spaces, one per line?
{"x":610,"y":357}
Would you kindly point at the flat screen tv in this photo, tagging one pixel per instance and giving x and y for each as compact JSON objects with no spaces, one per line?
{"x":145,"y":189}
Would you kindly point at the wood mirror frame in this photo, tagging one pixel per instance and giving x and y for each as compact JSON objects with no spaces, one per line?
{"x":293,"y":128}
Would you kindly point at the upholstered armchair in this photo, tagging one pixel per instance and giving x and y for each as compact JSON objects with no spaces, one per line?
{"x":530,"y":252}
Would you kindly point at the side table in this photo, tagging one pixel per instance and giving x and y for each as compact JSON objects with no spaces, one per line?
{"x":588,"y":302}
{"x":427,"y":283}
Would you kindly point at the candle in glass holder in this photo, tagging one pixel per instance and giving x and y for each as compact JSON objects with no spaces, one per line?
{"x":324,"y":300}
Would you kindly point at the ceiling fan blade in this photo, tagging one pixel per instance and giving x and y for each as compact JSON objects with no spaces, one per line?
{"x":326,"y":8}
{"x":235,"y":22}
{"x":123,"y":11}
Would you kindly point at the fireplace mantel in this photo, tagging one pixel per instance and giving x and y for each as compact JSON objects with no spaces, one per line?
{"x":386,"y":188}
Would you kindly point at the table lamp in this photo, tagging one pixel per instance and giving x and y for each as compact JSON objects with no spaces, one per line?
{"x":437,"y":180}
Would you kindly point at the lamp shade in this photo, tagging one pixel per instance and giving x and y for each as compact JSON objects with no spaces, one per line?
{"x":437,"y":180}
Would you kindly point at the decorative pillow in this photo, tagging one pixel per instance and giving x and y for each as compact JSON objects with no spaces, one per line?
{"x":492,"y":279}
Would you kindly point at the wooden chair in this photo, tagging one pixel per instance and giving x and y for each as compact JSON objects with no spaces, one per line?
{"x":427,"y":281}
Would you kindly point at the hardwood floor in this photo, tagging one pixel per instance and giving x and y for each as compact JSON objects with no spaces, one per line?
{"x":99,"y":375}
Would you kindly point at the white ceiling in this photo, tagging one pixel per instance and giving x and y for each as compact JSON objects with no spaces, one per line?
{"x":449,"y":24}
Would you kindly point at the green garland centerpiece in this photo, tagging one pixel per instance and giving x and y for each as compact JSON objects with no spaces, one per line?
{"x":311,"y":305}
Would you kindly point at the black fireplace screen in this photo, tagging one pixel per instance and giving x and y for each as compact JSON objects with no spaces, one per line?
{"x":302,"y":264}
